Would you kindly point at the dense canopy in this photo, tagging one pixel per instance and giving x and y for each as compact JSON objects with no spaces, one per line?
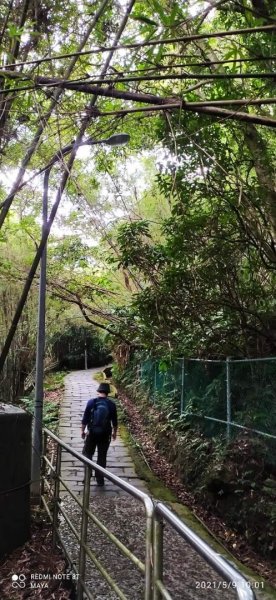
{"x":167,"y":243}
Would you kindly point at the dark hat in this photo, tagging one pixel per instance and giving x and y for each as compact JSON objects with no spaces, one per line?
{"x":104,"y":387}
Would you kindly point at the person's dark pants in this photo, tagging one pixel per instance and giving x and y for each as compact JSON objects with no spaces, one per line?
{"x":102,"y":445}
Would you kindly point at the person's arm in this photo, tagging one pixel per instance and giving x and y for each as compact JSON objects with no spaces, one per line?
{"x":85,"y":418}
{"x":114,"y":421}
{"x":83,"y":431}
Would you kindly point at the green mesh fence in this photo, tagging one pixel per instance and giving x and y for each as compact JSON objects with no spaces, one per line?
{"x":204,"y":393}
{"x":227,"y":397}
{"x":253,"y":394}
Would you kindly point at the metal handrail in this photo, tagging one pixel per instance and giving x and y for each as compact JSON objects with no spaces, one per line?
{"x":127,"y":487}
{"x":229,"y":573}
{"x":156,"y":514}
{"x":99,"y":524}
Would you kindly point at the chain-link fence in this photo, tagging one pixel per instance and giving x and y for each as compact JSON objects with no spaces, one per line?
{"x":227,"y":396}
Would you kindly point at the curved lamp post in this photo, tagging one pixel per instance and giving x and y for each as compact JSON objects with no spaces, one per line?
{"x":118,"y":139}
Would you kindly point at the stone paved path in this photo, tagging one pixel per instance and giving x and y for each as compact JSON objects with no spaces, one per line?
{"x":79,"y":388}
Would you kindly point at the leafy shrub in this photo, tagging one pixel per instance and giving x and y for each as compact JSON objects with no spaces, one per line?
{"x":50,"y":411}
{"x":69,"y":348}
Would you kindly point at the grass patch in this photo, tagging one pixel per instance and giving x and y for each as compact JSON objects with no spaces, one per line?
{"x":54,"y":380}
{"x":50,"y":411}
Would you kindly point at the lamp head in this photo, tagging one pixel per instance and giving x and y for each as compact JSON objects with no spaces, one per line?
{"x":118,"y":139}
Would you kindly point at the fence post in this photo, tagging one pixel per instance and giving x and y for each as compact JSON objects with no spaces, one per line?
{"x":155,"y":379}
{"x":139,"y":373}
{"x":182,"y":386}
{"x":158,"y":526}
{"x":56,"y":494}
{"x":85,"y":356}
{"x":84,"y":524}
{"x":228,"y":399}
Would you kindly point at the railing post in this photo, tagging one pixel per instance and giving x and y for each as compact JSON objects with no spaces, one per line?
{"x":56,"y":494}
{"x":84,"y":525}
{"x":228,"y":399}
{"x":43,"y":463}
{"x":182,"y":386}
{"x":149,"y":548}
{"x":158,"y":526}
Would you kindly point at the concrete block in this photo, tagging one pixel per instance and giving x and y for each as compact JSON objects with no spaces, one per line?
{"x":15,"y":469}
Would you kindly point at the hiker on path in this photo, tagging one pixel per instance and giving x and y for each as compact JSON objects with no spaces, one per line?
{"x":100,"y":418}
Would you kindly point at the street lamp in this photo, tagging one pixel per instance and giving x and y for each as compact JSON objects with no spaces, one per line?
{"x":118,"y":139}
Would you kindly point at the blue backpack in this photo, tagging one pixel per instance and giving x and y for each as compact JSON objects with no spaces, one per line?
{"x":100,"y":422}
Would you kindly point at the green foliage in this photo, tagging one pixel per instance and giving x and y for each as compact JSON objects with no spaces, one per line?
{"x":176,"y":256}
{"x":210,"y":289}
{"x":50,"y":411}
{"x":69,"y":347}
{"x":136,"y":249}
{"x":54,"y":380}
